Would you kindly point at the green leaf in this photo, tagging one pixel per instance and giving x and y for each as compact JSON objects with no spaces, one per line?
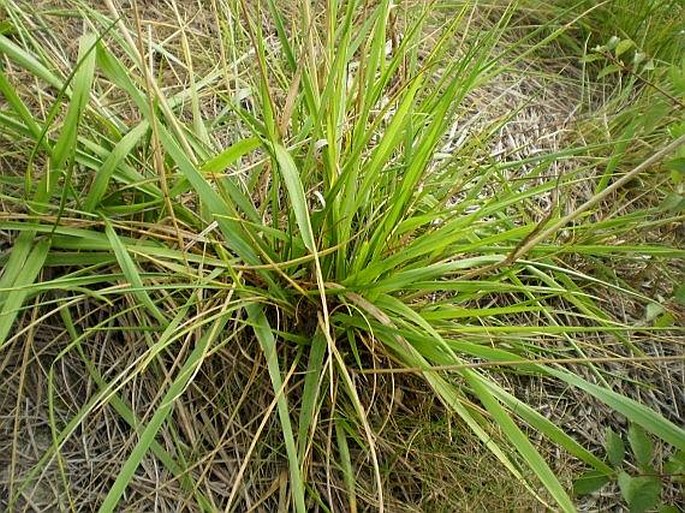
{"x":591,"y":57}
{"x":676,"y":466}
{"x":640,"y":445}
{"x":680,"y":294}
{"x":638,"y":58}
{"x":623,"y":47}
{"x":590,"y":482}
{"x":676,"y":129}
{"x":228,"y":156}
{"x":677,"y":76}
{"x":615,"y":447}
{"x":676,"y":165}
{"x":640,"y":493}
{"x":673,"y":203}
{"x":644,"y":493}
{"x":652,"y":311}
{"x":611,"y":68}
{"x":7,"y":27}
{"x":665,"y":321}
{"x":613,"y":42}
{"x":291,"y":177}
{"x":625,"y":483}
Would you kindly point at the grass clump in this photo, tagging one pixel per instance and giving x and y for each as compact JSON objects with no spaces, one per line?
{"x":234,"y":239}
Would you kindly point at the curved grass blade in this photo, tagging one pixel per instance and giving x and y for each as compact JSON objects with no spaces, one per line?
{"x":225,"y":158}
{"x":233,"y":230}
{"x":293,"y":184}
{"x":18,"y":105}
{"x":266,"y":339}
{"x":125,"y":412}
{"x":520,"y":441}
{"x":83,"y":81}
{"x":346,"y":462}
{"x":62,"y":150}
{"x":166,"y":405}
{"x":26,"y":276}
{"x":545,"y":426}
{"x":633,"y":411}
{"x":109,"y":166}
{"x":311,"y":392}
{"x":29,"y":62}
{"x":130,"y":270}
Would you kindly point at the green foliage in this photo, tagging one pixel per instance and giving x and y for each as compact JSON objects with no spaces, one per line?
{"x":641,"y":446}
{"x":590,"y":482}
{"x":641,"y":484}
{"x":326,"y":224}
{"x":675,"y":466}
{"x":640,"y":493}
{"x":654,"y":26}
{"x":614,"y":447}
{"x":623,"y":56}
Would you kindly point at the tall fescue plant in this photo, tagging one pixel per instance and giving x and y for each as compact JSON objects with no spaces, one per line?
{"x":333,"y":218}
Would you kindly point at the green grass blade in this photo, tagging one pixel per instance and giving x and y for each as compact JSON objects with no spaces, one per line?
{"x":115,"y":71}
{"x":546,"y":427}
{"x":130,"y":270}
{"x":293,"y":184}
{"x":63,"y":148}
{"x":631,"y":409}
{"x":523,"y":445}
{"x":119,"y":153}
{"x":348,"y":471}
{"x":227,"y":184}
{"x":311,"y":392}
{"x":391,"y":138}
{"x":227,"y":157}
{"x":166,"y":406}
{"x":18,"y":105}
{"x":267,"y":342}
{"x":234,"y":231}
{"x":14,"y":300}
{"x":126,"y":413}
{"x":29,"y":62}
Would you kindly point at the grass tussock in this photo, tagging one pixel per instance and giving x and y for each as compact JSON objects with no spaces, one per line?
{"x":341,"y":256}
